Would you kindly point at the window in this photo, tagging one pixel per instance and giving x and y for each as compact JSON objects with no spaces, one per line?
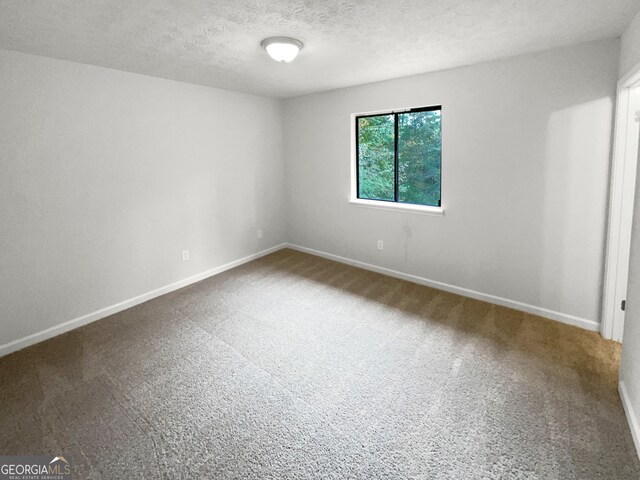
{"x":398,"y":156}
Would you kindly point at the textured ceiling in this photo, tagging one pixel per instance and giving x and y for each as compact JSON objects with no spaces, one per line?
{"x":347,"y":42}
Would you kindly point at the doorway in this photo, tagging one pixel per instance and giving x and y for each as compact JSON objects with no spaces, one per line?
{"x":621,"y":198}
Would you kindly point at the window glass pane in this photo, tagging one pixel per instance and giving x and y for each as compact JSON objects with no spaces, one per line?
{"x":376,"y":157}
{"x":419,"y":147}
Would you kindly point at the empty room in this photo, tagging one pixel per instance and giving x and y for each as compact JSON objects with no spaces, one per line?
{"x":320,"y":239}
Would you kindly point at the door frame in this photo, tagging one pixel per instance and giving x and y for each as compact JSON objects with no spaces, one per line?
{"x":621,"y":197}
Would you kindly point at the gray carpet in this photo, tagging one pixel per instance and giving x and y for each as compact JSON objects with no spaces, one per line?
{"x":293,"y":366}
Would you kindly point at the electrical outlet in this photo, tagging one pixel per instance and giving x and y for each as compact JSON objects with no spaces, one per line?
{"x":185,"y":255}
{"x":380,"y":245}
{"x":259,"y":233}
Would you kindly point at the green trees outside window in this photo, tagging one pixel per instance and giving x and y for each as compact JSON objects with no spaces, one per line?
{"x":399,"y":156}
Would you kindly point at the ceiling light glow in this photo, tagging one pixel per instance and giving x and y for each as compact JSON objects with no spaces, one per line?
{"x":282,"y":49}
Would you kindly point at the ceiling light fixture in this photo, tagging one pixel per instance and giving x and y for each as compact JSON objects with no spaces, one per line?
{"x":282,"y":49}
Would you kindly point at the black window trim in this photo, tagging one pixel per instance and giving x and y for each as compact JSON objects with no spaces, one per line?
{"x":395,"y":114}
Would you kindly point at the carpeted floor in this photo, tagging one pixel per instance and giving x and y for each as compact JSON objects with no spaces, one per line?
{"x":293,"y":366}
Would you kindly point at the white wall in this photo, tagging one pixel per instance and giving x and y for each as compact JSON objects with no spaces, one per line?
{"x":630,"y":46}
{"x":526,"y":148}
{"x":106,"y":176}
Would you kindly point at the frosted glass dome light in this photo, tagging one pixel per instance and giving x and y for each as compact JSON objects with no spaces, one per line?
{"x":282,"y":49}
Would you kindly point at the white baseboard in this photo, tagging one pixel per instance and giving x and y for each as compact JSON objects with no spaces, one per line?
{"x":505,"y":302}
{"x":105,"y":312}
{"x":631,"y":416}
{"x":118,"y":307}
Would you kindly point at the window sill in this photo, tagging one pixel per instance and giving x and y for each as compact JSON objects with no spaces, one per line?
{"x":402,"y":207}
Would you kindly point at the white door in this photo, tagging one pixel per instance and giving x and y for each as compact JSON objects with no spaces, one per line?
{"x":623,"y":186}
